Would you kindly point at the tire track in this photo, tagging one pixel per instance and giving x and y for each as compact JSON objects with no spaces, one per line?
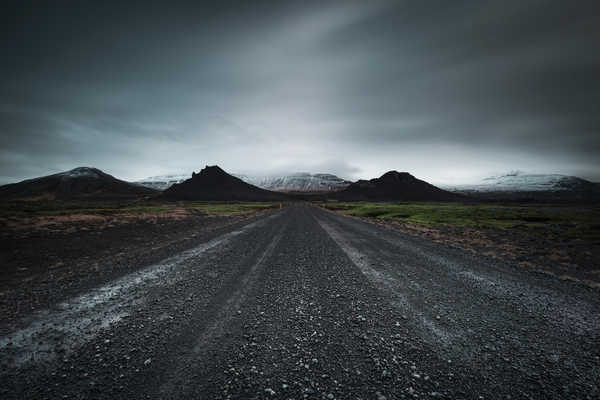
{"x":207,"y":341}
{"x":390,"y":285}
{"x":79,"y":320}
{"x":492,"y":317}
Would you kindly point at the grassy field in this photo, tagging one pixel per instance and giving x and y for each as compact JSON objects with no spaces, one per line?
{"x":65,"y":208}
{"x":229,"y":208}
{"x":574,"y":221}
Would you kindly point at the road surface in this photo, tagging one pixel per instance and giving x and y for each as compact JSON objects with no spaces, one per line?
{"x":305,"y":303}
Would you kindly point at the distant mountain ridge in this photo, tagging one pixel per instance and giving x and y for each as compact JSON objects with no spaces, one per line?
{"x":214,"y":184}
{"x":294,"y":182}
{"x":81,"y":182}
{"x":162,"y":182}
{"x":395,"y":186}
{"x":297,"y":182}
{"x":520,"y":181}
{"x":519,"y":185}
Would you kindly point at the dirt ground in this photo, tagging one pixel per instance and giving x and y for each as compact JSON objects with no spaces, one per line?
{"x":47,"y":259}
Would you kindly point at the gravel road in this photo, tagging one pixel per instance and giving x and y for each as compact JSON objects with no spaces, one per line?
{"x":305,"y":303}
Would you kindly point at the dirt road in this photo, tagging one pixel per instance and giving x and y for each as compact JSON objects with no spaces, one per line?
{"x":304,"y":303}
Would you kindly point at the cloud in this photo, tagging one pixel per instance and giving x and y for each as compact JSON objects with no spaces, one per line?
{"x":446,"y":90}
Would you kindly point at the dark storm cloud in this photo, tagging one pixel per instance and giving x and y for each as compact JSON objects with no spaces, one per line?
{"x":447,"y":90}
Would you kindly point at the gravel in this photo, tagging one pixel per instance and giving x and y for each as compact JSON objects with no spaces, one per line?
{"x":304,"y":303}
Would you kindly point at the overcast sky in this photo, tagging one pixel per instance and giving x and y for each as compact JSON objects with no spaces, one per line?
{"x":450,"y":91}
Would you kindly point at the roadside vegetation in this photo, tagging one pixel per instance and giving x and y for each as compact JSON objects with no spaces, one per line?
{"x":574,"y":221}
{"x":67,"y":208}
{"x":229,"y":208}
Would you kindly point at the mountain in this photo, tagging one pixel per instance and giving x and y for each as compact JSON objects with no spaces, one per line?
{"x":162,"y":182}
{"x":294,"y":182}
{"x":522,"y":182}
{"x":212,"y":183}
{"x":395,"y":186}
{"x":522,"y":186}
{"x":297,"y":182}
{"x":82,"y":182}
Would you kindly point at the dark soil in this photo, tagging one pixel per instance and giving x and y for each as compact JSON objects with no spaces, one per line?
{"x":41,"y":268}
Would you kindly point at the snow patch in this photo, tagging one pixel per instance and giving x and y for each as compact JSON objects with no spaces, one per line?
{"x":163,"y":182}
{"x":81,"y":172}
{"x":294,"y":182}
{"x":518,"y":181}
{"x":297,"y":182}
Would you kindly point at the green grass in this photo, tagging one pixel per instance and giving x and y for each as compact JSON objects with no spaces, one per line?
{"x":229,"y":208}
{"x":571,"y":221}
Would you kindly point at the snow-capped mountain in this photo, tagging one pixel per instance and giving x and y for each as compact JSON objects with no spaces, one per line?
{"x":162,"y":182}
{"x":81,"y":172}
{"x":80,"y":183}
{"x":523,"y":182}
{"x":295,"y":182}
{"x":532,"y":187}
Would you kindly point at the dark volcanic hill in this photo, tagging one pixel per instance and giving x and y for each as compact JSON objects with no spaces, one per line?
{"x":79,"y":183}
{"x":212,"y":183}
{"x":395,"y":186}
